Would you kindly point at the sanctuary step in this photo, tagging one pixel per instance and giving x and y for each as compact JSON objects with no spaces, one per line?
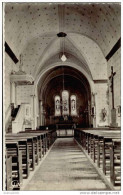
{"x":66,"y":168}
{"x":65,"y":133}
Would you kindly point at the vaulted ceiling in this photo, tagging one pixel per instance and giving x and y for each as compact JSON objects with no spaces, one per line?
{"x":92,"y":30}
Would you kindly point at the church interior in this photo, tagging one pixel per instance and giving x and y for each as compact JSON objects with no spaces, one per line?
{"x":61,"y":96}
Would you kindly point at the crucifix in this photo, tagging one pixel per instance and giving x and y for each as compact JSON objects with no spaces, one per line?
{"x":112,"y":85}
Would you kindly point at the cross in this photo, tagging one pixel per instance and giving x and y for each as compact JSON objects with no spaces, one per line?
{"x":112,"y":85}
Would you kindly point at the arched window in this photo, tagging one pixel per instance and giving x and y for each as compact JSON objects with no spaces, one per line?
{"x":65,"y":102}
{"x":73,"y":105}
{"x":57,"y":106}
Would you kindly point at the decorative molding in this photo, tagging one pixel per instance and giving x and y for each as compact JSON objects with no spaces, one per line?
{"x":21,"y":79}
{"x":101,"y":81}
{"x":114,"y":49}
{"x":10,"y":53}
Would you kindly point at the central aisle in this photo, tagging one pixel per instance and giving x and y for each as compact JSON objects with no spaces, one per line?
{"x":66,"y":168}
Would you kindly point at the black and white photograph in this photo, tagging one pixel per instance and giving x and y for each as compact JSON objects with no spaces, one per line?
{"x":61,"y":75}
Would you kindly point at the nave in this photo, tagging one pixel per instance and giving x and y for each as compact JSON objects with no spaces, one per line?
{"x":41,"y":160}
{"x":66,"y":168}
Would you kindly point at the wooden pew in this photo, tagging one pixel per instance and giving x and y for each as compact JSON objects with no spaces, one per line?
{"x":27,"y":148}
{"x":49,"y":138}
{"x":12,"y":151}
{"x":26,"y":144}
{"x":36,"y":145}
{"x":41,"y":144}
{"x":9,"y":173}
{"x":31,"y":146}
{"x":98,"y":144}
{"x":103,"y":141}
{"x":115,"y":162}
{"x":24,"y":148}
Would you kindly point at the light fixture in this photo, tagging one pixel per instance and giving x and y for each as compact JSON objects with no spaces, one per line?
{"x":63,"y":58}
{"x":62,"y":34}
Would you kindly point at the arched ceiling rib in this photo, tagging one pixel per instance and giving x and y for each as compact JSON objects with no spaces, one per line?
{"x":62,"y":73}
{"x":70,"y":60}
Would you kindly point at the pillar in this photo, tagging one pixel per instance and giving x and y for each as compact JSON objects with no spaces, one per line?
{"x":93,"y":105}
{"x":41,"y":112}
{"x":33,"y":111}
{"x":13,"y":92}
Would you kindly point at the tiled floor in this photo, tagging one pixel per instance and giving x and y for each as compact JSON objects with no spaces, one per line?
{"x":66,"y":168}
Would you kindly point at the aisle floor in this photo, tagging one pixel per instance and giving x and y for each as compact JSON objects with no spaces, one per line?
{"x":66,"y":168}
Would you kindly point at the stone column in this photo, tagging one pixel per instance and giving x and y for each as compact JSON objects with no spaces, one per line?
{"x":16,"y":102}
{"x":12,"y":92}
{"x":89,"y":113}
{"x":33,"y":111}
{"x":41,"y":112}
{"x":94,"y":109}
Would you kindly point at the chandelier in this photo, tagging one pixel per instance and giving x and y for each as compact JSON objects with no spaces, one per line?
{"x":62,"y":34}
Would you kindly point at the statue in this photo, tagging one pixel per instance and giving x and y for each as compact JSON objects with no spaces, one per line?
{"x":104,"y":114}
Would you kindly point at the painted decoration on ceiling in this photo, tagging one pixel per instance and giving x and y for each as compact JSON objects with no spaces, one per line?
{"x":65,"y":102}
{"x":73,"y":105}
{"x":57,"y":106}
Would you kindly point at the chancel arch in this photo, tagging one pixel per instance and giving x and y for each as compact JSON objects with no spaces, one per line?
{"x":77,"y":94}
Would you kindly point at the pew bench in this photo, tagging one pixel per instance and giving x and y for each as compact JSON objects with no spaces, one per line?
{"x":42,"y":139}
{"x":23,"y":152}
{"x":9,"y":173}
{"x":13,"y":153}
{"x":24,"y":148}
{"x":31,"y":147}
{"x":51,"y":136}
{"x":98,"y":145}
{"x":115,"y":162}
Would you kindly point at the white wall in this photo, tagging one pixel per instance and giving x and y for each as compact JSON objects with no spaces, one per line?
{"x":9,"y":66}
{"x":115,"y":61}
{"x":23,"y":93}
{"x":101,"y":103}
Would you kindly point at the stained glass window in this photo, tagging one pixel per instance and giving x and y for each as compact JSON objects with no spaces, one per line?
{"x":73,"y":105}
{"x":62,"y":104}
{"x":57,"y":106}
{"x":65,"y":102}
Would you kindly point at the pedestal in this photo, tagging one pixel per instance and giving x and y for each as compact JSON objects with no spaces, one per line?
{"x":113,"y":118}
